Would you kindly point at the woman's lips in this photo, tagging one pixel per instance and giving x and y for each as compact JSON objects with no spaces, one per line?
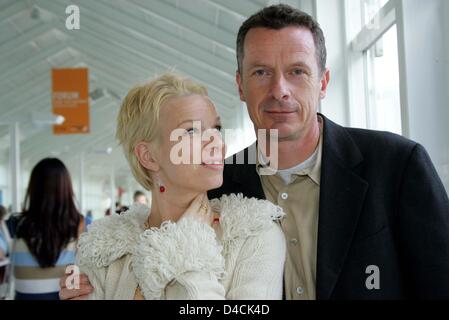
{"x":215,"y":165}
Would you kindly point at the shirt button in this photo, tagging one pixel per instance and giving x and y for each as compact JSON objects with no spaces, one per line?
{"x":294,"y":241}
{"x":300,"y":290}
{"x":284,"y":196}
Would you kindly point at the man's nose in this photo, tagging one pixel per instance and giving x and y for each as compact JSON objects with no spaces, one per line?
{"x":280,"y":89}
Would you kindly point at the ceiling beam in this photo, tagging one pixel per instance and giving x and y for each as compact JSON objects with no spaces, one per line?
{"x":43,"y":54}
{"x":91,"y":40}
{"x":138,"y":49}
{"x":100,"y":121}
{"x":13,"y":9}
{"x":136,"y":76}
{"x":129,"y":18}
{"x":17,"y":43}
{"x":188,"y":21}
{"x":18,"y":98}
{"x":244,"y":8}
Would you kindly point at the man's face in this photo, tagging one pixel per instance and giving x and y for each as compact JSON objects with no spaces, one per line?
{"x":281,"y":81}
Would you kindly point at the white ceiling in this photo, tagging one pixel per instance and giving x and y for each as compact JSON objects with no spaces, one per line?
{"x":122,"y":43}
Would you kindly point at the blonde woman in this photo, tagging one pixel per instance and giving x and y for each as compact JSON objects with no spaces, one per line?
{"x":184,"y":246}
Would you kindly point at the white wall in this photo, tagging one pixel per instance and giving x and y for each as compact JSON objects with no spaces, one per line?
{"x":444,"y":167}
{"x":94,"y":196}
{"x":330,"y":15}
{"x":427,"y":81}
{"x":4,"y":185}
{"x":425,"y":29}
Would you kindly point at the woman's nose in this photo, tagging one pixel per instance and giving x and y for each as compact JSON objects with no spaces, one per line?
{"x":215,"y":142}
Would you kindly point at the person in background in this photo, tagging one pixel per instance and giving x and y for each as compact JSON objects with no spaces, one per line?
{"x":4,"y":236}
{"x":5,"y":244}
{"x":119,"y":208}
{"x":46,"y":232}
{"x":89,"y":217}
{"x":140,"y":197}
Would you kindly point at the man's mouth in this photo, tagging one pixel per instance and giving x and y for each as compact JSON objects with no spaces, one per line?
{"x":280,"y":112}
{"x":281,"y":115}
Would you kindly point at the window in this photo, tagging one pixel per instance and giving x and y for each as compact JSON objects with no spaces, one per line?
{"x":371,"y":8}
{"x":375,"y":49}
{"x":384,"y":105}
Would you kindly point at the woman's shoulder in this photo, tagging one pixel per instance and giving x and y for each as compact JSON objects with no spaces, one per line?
{"x":111,"y":237}
{"x":241,"y":217}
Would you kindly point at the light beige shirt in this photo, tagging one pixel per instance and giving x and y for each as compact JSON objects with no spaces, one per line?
{"x":300,"y":200}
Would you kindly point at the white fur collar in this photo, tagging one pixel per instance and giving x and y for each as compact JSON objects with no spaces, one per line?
{"x":112,"y":237}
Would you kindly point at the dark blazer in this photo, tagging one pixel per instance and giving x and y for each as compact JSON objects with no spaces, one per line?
{"x":381,"y":203}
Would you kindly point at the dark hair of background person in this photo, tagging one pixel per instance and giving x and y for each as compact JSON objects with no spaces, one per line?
{"x":2,"y":212}
{"x":50,"y":220}
{"x":277,"y":17}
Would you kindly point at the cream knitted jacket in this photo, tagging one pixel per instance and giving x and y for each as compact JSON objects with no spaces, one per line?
{"x":242,"y":259}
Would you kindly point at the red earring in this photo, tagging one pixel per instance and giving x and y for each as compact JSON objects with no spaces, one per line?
{"x":161,"y":187}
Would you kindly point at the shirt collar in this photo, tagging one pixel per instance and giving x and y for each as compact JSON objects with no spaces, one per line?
{"x":310,"y":167}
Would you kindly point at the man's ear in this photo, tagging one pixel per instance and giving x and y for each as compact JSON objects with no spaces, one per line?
{"x":238,"y":79}
{"x":146,"y":157}
{"x":324,"y":82}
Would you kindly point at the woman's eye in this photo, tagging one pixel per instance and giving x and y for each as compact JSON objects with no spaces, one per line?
{"x":218,"y":128}
{"x":191,"y":131}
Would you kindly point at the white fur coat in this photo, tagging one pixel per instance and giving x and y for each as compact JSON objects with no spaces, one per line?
{"x":243,"y":258}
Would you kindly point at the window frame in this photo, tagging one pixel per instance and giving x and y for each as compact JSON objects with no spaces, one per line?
{"x":363,"y":37}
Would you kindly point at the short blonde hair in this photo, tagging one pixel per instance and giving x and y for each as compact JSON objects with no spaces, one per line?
{"x":138,"y":117}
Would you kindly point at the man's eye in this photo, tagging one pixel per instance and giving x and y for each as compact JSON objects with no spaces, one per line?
{"x":260,"y":72}
{"x":298,"y":72}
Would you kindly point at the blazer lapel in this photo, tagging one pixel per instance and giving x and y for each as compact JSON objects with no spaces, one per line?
{"x":247,"y":179}
{"x":342,"y":193}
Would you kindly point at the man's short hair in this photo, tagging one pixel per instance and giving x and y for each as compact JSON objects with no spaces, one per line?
{"x":278,"y":17}
{"x":138,"y":194}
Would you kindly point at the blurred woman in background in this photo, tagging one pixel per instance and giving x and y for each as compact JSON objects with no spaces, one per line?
{"x":4,"y":243}
{"x":46,"y":232}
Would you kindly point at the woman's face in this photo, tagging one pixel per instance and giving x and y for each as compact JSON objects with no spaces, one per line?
{"x":191,"y":150}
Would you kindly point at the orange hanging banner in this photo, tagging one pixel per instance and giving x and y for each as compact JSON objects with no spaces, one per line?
{"x":70,"y":99}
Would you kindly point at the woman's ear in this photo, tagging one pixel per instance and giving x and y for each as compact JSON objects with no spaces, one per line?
{"x":146,"y":157}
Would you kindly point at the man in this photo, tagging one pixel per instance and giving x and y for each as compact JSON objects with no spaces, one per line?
{"x":366,"y":215}
{"x":140,"y":197}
